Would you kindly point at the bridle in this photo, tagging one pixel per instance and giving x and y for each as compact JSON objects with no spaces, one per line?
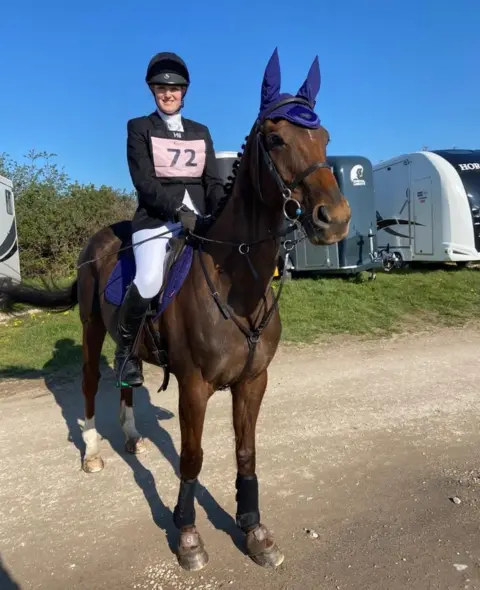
{"x":252,"y":334}
{"x":286,"y":188}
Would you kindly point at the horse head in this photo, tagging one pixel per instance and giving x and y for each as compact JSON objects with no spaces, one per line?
{"x":292,"y":170}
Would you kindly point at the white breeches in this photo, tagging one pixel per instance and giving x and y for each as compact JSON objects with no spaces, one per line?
{"x":150,"y":256}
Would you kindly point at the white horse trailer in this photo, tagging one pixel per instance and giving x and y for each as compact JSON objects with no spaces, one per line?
{"x":9,"y":257}
{"x":428,"y":206}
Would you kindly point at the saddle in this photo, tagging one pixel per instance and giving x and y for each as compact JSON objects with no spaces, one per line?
{"x":177,"y":266}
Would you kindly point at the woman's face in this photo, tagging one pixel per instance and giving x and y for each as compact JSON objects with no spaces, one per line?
{"x":168,"y":97}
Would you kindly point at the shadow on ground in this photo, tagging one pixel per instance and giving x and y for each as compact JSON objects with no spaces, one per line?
{"x":65,"y":386}
{"x":66,"y":360}
{"x":6,"y":580}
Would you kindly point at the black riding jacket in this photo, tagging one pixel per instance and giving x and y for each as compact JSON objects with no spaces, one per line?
{"x":164,"y":163}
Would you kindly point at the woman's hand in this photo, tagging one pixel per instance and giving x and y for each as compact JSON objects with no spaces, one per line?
{"x":187,"y":218}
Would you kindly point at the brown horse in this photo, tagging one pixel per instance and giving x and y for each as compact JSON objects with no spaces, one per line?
{"x":222,"y":328}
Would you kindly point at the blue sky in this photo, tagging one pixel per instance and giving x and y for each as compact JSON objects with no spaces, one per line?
{"x":395,"y":76}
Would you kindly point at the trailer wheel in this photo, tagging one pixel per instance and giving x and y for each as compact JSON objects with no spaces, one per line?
{"x":389,"y":263}
{"x":394,"y":260}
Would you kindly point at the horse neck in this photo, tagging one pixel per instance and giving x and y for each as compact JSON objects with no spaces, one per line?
{"x":247,"y":219}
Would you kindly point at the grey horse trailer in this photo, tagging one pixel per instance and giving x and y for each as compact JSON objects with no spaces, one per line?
{"x":357,"y":252}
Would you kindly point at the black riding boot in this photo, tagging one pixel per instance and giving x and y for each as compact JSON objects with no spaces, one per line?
{"x":130,"y":318}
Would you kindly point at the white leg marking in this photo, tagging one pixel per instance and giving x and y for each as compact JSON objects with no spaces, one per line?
{"x":90,"y":437}
{"x":127,"y":421}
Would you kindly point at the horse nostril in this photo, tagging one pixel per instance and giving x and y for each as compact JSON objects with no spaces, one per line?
{"x":323,"y":216}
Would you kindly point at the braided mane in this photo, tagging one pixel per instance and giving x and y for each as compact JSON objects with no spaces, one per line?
{"x":229,"y":185}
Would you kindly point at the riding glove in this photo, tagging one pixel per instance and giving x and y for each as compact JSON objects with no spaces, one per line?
{"x":187,"y":218}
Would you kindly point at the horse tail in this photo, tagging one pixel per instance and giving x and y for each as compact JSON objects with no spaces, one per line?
{"x":47,"y":298}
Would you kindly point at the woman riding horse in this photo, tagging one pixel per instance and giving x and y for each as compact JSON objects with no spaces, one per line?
{"x":174,"y":170}
{"x":283,"y":172}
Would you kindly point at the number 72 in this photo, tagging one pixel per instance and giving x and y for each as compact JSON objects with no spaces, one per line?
{"x":191,"y":156}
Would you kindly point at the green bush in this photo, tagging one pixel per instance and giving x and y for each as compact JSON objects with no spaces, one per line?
{"x":56,"y":217}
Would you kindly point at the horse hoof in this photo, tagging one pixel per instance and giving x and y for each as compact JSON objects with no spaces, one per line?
{"x":262,"y":549}
{"x":93,"y":464}
{"x":191,"y":555}
{"x":135,"y":446}
{"x":272,"y":558}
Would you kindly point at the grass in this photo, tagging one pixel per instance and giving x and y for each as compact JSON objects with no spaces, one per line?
{"x":310,"y":309}
{"x":392,"y":303}
{"x":42,"y":343}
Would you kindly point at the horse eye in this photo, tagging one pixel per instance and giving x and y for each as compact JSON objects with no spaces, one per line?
{"x":274,"y":140}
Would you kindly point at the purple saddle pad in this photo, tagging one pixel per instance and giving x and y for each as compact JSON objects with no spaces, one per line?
{"x":124,"y":272}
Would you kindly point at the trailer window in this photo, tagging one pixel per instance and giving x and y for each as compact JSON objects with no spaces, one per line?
{"x":9,"y":202}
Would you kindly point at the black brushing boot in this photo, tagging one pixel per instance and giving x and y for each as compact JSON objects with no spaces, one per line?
{"x":127,"y":367}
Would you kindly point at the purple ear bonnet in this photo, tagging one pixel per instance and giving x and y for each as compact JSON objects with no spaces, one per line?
{"x":298,"y":113}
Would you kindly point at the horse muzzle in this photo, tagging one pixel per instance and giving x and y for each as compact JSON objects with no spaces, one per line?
{"x":328,"y":224}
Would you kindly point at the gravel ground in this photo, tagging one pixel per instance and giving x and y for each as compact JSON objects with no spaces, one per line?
{"x":367,"y":460}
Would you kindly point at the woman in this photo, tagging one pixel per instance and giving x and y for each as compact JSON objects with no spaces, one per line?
{"x":174,"y":170}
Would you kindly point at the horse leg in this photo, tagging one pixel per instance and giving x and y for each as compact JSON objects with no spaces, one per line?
{"x":193,"y":400}
{"x":134,"y":443}
{"x":247,"y":398}
{"x":93,"y":337}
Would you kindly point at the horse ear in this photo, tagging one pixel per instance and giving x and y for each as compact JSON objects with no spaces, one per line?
{"x":271,"y":81}
{"x":311,"y":86}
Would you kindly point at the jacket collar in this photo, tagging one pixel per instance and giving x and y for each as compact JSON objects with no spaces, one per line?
{"x":157,"y":121}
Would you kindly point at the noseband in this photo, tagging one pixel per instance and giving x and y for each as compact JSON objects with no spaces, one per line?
{"x":285,"y":188}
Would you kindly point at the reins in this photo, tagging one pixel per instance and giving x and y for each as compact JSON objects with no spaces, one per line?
{"x":243,"y":247}
{"x":196,"y":240}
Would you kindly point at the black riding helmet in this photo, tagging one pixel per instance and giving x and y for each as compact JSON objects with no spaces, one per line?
{"x":167,"y":68}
